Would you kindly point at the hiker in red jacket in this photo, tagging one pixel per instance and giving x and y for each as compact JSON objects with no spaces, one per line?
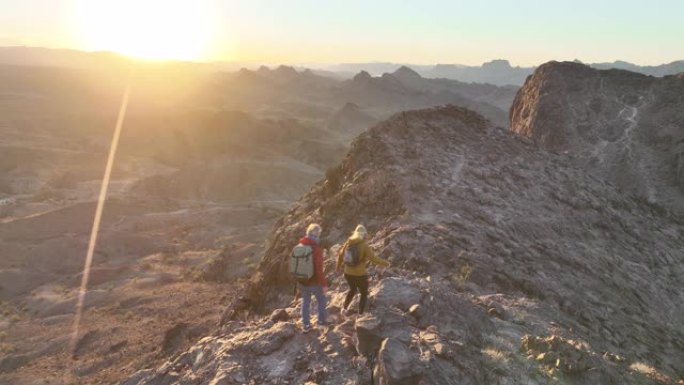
{"x":317,"y":284}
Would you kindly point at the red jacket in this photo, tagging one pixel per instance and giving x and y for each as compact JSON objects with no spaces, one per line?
{"x":318,"y":277}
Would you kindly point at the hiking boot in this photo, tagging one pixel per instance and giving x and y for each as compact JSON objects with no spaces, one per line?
{"x":306,"y":328}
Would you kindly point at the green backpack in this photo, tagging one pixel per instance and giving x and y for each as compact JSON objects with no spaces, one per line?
{"x":301,"y":263}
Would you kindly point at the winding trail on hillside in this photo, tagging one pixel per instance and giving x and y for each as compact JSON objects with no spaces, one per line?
{"x":628,"y":113}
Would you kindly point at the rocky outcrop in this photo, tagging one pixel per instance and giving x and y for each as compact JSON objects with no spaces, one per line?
{"x":623,"y":126}
{"x":510,"y":264}
{"x":389,"y":341}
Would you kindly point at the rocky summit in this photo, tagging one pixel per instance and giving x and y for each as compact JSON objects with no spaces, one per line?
{"x":511,"y":264}
{"x":627,"y":128}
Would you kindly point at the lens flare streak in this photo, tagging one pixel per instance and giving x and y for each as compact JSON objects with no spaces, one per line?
{"x":98,"y":217}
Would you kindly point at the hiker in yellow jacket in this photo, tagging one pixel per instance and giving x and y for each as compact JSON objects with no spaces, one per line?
{"x":354,"y":257}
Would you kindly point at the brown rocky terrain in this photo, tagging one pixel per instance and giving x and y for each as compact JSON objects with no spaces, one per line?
{"x":627,"y":128}
{"x":208,"y":160}
{"x":510,"y":264}
{"x":537,"y":255}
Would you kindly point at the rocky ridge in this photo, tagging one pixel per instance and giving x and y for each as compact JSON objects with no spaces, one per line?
{"x":510,"y":264}
{"x":406,"y":88}
{"x":627,"y":128}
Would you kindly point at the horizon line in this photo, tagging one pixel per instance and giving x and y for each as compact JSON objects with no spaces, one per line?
{"x":319,"y":63}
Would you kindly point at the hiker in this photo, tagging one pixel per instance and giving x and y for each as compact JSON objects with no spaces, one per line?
{"x":354,"y":257}
{"x":316,"y":284}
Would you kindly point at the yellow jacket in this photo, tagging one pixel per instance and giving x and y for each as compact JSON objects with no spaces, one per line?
{"x":366,"y":256}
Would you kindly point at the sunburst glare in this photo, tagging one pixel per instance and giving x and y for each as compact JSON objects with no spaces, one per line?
{"x":150,"y":29}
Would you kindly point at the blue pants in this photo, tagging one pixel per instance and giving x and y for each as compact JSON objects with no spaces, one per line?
{"x":306,"y":303}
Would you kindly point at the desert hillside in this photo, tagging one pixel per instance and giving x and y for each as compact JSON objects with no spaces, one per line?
{"x":510,"y":264}
{"x":208,"y":160}
{"x":625,"y":127}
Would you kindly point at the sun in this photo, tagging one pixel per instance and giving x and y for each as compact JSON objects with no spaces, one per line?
{"x":147,"y":29}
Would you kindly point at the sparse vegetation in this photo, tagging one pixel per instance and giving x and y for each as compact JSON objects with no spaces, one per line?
{"x":461,"y":278}
{"x":500,"y":360}
{"x":7,"y":348}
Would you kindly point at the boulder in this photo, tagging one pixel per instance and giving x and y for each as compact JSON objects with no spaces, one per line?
{"x":369,"y":334}
{"x":397,"y":365}
{"x":397,"y":292}
{"x":272,"y":339}
{"x":279,"y":315}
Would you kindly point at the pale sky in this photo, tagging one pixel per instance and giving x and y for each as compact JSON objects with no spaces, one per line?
{"x":526,"y":32}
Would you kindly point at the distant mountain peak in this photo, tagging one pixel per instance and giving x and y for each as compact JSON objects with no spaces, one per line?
{"x":349,"y":106}
{"x":499,"y":64}
{"x":286,"y":70}
{"x":362,"y":76}
{"x":405,"y":73}
{"x":350,"y":119}
{"x":245,"y":72}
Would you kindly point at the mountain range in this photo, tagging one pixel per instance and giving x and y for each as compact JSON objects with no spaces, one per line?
{"x":497,"y":72}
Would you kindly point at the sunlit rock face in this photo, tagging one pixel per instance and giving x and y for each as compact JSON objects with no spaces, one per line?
{"x":625,"y":127}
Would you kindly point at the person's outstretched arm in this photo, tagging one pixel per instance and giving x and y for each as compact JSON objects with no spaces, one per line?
{"x":370,"y":255}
